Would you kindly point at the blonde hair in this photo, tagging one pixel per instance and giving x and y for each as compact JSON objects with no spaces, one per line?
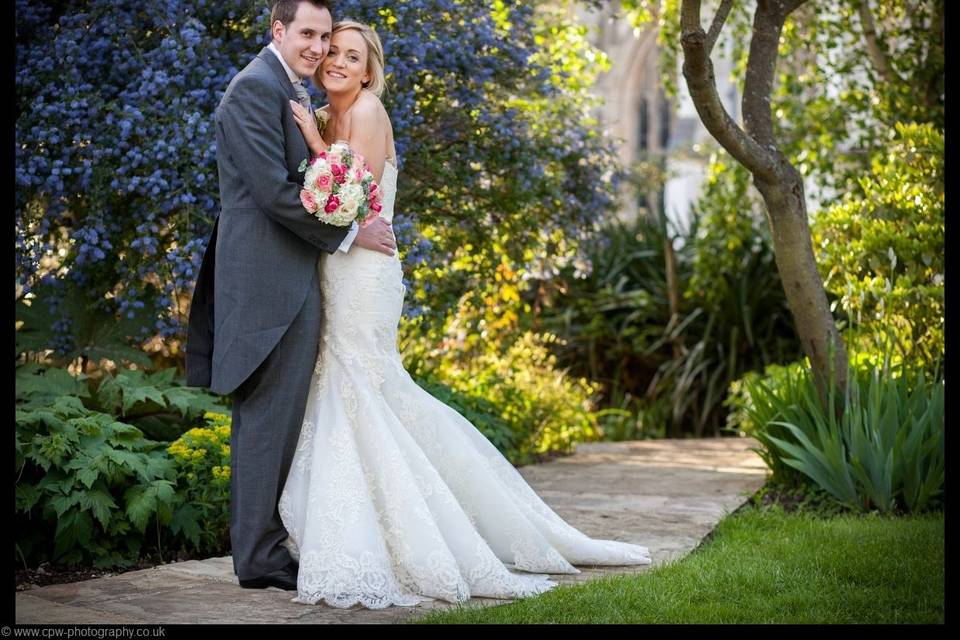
{"x":377,"y":83}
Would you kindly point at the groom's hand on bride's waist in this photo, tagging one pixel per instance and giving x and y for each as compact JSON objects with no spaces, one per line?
{"x":377,"y":236}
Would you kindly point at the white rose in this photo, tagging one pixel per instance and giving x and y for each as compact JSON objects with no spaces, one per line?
{"x":319,"y":165}
{"x":351,"y":197}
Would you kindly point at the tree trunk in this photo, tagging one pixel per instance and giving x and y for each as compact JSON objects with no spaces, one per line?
{"x":797,"y":266}
{"x":673,"y":291}
{"x":780,"y":184}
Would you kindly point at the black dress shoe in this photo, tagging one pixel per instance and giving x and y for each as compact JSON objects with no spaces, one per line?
{"x":285,"y":578}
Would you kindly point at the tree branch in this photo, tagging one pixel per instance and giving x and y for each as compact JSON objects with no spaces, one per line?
{"x":717,"y":25}
{"x":790,"y":6}
{"x":876,"y":54}
{"x":761,"y":67}
{"x":701,"y":82}
{"x":934,"y":49}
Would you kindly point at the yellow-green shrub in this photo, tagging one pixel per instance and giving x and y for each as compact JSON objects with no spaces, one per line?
{"x":882,"y":252}
{"x":547,"y":409}
{"x":202,"y":459}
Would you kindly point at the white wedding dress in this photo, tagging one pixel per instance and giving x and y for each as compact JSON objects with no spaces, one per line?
{"x":394,"y":498}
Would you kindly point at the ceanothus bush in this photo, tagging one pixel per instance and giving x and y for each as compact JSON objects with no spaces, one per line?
{"x":116,"y":182}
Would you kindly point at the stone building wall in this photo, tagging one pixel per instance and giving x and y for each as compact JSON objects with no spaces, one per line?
{"x":648,"y":123}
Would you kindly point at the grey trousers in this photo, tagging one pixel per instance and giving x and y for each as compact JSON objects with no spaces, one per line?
{"x":268,"y":410}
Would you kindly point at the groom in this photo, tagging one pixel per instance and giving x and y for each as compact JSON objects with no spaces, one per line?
{"x":255,"y":319}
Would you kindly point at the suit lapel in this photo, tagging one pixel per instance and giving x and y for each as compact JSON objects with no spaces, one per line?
{"x":280,"y":74}
{"x":274,"y":63}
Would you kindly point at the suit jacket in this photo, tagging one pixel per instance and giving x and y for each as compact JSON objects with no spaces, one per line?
{"x":262,"y":255}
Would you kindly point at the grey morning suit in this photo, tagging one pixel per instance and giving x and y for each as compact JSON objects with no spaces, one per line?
{"x":255,"y":318}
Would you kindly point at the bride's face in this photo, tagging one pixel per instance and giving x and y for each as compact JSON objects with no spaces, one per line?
{"x":345,"y":67}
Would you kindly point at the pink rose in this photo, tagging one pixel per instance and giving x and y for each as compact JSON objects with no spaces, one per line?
{"x":324,"y":182}
{"x":309,"y":202}
{"x":376,"y":206}
{"x":332,"y":203}
{"x":358,"y":175}
{"x":332,"y":158}
{"x":373,"y":187}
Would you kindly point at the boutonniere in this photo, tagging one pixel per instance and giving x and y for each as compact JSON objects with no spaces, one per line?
{"x":322,"y":118}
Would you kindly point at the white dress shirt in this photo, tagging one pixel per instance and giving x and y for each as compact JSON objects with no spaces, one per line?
{"x":354,"y":228}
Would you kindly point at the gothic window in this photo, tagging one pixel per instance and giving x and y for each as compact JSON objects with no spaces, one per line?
{"x":643,"y":127}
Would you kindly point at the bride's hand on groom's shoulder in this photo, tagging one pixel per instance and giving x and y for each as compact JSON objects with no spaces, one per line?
{"x":308,"y":125}
{"x":377,"y":236}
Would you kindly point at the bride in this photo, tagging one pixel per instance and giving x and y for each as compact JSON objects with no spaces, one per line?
{"x":394,"y":498}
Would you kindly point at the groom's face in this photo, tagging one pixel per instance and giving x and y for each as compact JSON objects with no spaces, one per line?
{"x":304,"y":42}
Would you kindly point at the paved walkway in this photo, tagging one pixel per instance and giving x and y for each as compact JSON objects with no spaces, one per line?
{"x":664,"y":494}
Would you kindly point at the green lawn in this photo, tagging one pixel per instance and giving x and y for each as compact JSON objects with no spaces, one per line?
{"x":762,"y":566}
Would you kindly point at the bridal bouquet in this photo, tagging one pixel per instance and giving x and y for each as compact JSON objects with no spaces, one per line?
{"x":339,"y":188}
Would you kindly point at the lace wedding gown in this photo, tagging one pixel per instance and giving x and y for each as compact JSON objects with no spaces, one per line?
{"x":394,"y":498}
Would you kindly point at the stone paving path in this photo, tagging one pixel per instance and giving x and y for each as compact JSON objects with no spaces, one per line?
{"x":664,"y":494}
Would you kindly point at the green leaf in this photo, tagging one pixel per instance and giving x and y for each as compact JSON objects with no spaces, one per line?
{"x":163,"y":377}
{"x":832,"y":475}
{"x":121,"y":433}
{"x":186,"y":522}
{"x":192,"y":401}
{"x":135,"y":462}
{"x":27,"y":497}
{"x":49,"y":450}
{"x":37,"y":419}
{"x":62,"y":504}
{"x":111,"y":560}
{"x":70,"y":407}
{"x":56,"y":483}
{"x":86,"y":469}
{"x":76,"y":527}
{"x":100,"y":503}
{"x":144,"y":501}
{"x":159,"y":465}
{"x":31,"y":380}
{"x":126,"y":389}
{"x":110,"y":394}
{"x":135,"y":395}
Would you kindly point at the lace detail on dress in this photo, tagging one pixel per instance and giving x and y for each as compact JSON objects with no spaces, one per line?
{"x":394,"y":498}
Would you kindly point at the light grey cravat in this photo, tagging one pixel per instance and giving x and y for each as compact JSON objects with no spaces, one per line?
{"x":302,"y":95}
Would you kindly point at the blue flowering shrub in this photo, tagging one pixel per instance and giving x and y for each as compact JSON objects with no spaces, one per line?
{"x":116,"y":183}
{"x":505,"y":176}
